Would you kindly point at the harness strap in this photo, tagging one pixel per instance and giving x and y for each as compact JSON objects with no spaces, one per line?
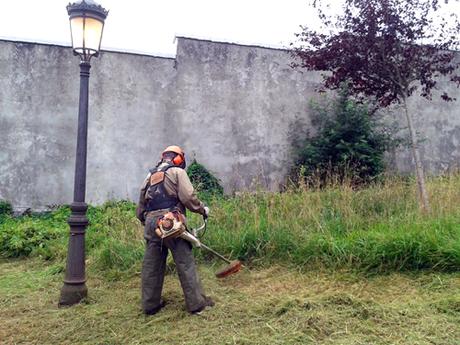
{"x":156,"y":195}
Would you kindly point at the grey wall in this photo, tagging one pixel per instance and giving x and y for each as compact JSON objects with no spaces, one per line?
{"x":39,"y":86}
{"x":234,"y":108}
{"x":438,"y":125}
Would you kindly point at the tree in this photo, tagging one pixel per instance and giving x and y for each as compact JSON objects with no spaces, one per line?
{"x":349,"y":144}
{"x":385,"y":50}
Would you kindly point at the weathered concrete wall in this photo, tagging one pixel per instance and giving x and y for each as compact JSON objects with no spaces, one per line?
{"x":235,"y":108}
{"x":437,"y":123}
{"x":39,"y":86}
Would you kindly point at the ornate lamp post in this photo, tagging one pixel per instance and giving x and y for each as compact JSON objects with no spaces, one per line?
{"x":86,"y":25}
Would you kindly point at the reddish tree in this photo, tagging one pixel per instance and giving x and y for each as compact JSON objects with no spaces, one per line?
{"x":385,"y":50}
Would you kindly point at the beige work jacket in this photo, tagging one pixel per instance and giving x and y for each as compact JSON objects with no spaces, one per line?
{"x":177,"y":184}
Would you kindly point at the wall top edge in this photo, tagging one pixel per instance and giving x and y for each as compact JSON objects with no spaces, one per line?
{"x":140,"y":53}
{"x":147,"y":54}
{"x":103,"y":50}
{"x":221,"y":41}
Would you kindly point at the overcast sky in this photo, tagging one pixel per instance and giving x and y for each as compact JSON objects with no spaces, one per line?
{"x":151,"y":25}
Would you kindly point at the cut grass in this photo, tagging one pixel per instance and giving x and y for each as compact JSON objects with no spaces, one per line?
{"x":263,"y":306}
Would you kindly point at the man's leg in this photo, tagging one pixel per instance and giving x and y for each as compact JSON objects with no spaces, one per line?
{"x":195,"y":299}
{"x":153,"y":271}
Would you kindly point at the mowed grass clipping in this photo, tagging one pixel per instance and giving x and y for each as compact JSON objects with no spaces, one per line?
{"x":375,"y":229}
{"x":262,"y":306}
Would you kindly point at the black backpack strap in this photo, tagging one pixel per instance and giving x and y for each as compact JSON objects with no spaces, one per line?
{"x":156,"y":190}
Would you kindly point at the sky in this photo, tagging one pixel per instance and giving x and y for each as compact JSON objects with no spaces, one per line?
{"x":150,"y":26}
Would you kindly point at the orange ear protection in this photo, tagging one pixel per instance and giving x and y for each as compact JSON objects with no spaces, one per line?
{"x":179,"y":159}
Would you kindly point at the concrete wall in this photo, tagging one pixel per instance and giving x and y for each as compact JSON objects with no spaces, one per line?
{"x":39,"y":88}
{"x":437,"y":123}
{"x":234,"y":108}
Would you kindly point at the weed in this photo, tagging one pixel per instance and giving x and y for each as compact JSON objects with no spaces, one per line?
{"x":203,"y":181}
{"x":374,"y":229}
{"x":5,"y":208}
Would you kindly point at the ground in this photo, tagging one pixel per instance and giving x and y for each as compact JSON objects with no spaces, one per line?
{"x":275,"y":305}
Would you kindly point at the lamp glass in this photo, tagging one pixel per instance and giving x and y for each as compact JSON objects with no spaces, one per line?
{"x":86,"y":35}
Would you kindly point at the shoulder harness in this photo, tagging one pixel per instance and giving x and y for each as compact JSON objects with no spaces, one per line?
{"x":156,"y":196}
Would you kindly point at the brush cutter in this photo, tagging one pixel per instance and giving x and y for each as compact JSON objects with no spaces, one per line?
{"x":172,"y":225}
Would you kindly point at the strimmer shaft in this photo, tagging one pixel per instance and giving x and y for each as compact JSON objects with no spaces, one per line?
{"x":216,"y":253}
{"x":195,"y":241}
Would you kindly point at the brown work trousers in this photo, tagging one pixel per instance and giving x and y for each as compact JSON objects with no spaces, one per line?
{"x":154,"y":265}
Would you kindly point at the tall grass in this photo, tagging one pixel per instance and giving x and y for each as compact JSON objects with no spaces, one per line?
{"x":377,"y":228}
{"x":114,"y":237}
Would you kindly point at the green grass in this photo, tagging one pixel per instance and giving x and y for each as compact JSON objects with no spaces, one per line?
{"x":375,"y":229}
{"x":275,"y":305}
{"x":311,"y":262}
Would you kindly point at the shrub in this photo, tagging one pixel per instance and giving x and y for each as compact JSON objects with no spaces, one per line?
{"x":35,"y":234}
{"x":348,"y":144}
{"x":203,"y":180}
{"x":5,"y":208}
{"x":114,"y":236}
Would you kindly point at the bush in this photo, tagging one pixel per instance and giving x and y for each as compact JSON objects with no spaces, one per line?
{"x":348,"y":144}
{"x":5,"y":208}
{"x":114,"y":237}
{"x":36,"y":234}
{"x":203,"y":180}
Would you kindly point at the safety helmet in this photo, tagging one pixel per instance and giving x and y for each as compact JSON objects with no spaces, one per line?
{"x":180,"y":157}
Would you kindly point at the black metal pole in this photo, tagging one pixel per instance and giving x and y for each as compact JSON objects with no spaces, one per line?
{"x":74,"y":288}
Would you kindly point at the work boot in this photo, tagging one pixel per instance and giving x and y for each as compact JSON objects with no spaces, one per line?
{"x":155,"y":310}
{"x":208,"y":302}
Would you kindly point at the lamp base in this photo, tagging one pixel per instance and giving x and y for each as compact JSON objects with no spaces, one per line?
{"x":72,"y":294}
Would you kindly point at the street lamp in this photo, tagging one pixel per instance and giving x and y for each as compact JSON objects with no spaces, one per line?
{"x":86,"y":26}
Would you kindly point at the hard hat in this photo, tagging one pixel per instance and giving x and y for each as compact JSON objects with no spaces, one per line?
{"x":180,"y":158}
{"x":175,"y":149}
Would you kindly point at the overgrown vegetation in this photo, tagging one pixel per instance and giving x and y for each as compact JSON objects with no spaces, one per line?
{"x":5,"y":208}
{"x":114,"y":237}
{"x":279,"y":236}
{"x":349,"y":144}
{"x":203,"y":180}
{"x":373,"y":229}
{"x":387,"y":51}
{"x":377,"y":229}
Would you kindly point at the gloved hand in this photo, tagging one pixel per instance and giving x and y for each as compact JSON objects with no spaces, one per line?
{"x":206,"y":212}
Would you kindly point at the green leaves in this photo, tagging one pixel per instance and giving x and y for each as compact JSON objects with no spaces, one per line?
{"x":374,"y":229}
{"x":31,"y":234}
{"x":5,"y":208}
{"x":348,"y":144}
{"x":203,"y":180}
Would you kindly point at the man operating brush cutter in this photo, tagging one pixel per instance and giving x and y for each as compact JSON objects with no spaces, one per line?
{"x":164,"y":197}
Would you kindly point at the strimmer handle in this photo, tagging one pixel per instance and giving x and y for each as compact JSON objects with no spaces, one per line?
{"x":202,"y":227}
{"x":191,"y":238}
